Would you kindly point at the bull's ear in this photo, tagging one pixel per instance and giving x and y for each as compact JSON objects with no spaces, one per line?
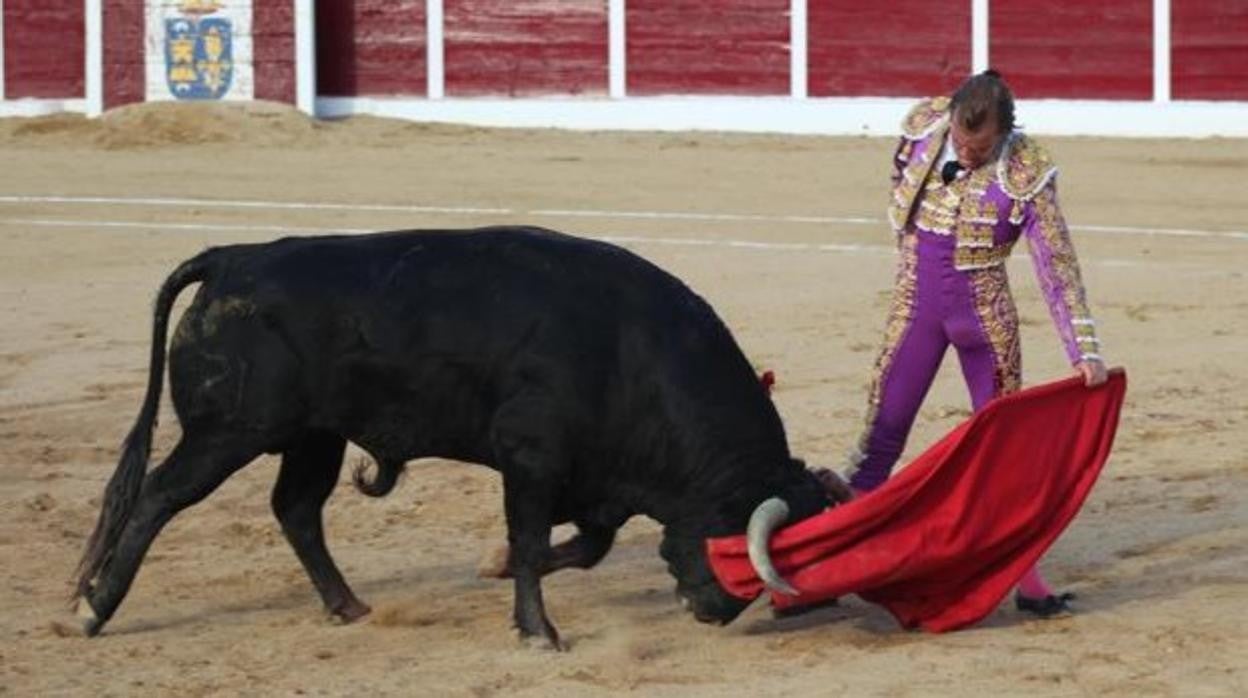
{"x":798,"y":462}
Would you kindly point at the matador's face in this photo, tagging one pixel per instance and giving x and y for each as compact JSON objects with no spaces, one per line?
{"x":975,"y":147}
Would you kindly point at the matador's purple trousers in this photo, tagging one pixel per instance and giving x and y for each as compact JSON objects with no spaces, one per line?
{"x":939,"y":311}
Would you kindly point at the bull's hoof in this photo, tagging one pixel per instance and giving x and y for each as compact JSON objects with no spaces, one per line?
{"x":350,"y":612}
{"x":83,"y":622}
{"x":543,"y":642}
{"x":494,"y":564}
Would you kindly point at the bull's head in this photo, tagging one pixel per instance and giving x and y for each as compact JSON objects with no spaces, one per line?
{"x":696,"y":586}
{"x":685,"y":549}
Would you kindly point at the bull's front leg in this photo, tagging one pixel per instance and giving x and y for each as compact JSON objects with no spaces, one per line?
{"x":584,"y":550}
{"x":527,"y":502}
{"x":529,"y":451}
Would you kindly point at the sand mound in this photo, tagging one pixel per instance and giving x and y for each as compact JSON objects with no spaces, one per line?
{"x":54,"y":125}
{"x":157,"y":124}
{"x":258,"y":124}
{"x":169,"y":124}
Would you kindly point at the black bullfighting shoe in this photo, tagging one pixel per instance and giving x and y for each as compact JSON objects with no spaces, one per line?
{"x":1048,"y":607}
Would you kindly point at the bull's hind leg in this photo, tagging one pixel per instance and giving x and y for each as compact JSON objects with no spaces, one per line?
{"x":308,"y":475}
{"x":195,"y":467}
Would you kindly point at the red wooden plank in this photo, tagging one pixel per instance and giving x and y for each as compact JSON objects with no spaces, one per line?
{"x":1209,"y":49}
{"x":123,"y":62}
{"x":896,"y":49}
{"x":708,"y":47}
{"x":370,"y":47}
{"x":44,"y":49}
{"x":525,"y":47}
{"x":1073,"y":48}
{"x":273,"y":50}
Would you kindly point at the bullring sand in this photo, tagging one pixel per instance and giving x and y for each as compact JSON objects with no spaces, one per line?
{"x":782,"y":234}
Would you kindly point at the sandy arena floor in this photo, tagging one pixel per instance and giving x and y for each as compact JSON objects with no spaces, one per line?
{"x":1159,"y":556}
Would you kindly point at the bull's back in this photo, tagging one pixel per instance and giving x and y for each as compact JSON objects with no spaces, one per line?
{"x":474,"y":291}
{"x":371,"y":334}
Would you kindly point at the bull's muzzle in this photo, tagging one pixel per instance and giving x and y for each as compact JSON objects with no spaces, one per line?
{"x":767,"y":517}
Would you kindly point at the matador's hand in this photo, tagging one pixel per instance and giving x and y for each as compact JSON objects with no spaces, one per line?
{"x":834,"y":486}
{"x":1093,"y":372}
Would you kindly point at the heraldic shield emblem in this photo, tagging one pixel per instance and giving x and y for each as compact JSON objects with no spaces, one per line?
{"x":198,"y":56}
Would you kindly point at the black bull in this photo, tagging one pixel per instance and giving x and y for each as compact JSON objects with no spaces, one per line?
{"x":598,"y":385}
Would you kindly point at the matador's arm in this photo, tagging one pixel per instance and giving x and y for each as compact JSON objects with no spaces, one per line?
{"x":1057,"y":270}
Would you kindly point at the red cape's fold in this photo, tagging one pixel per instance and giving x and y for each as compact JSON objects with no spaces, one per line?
{"x":942,"y":542}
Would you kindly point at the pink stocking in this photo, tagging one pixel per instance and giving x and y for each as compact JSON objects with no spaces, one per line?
{"x":1033,"y":585}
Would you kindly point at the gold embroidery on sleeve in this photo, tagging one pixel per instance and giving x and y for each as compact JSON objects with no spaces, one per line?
{"x":1051,"y":232}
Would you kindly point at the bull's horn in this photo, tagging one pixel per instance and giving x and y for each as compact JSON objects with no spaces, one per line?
{"x":766,"y":518}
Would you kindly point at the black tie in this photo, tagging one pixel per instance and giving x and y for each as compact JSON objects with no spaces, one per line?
{"x":950,"y":171}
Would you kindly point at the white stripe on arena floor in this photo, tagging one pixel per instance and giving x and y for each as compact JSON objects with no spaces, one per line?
{"x":623,"y":240}
{"x":617,"y":239}
{"x":566,"y":213}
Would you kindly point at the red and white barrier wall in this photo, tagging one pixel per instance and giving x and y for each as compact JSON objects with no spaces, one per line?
{"x":1119,"y":67}
{"x":91,"y":55}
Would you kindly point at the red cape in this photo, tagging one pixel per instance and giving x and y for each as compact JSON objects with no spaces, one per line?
{"x":943,"y":541}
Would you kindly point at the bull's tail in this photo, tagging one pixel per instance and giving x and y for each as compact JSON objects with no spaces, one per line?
{"x":123,"y":488}
{"x":383,"y":482}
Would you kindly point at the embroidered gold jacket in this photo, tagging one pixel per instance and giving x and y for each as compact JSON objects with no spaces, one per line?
{"x":988,"y":209}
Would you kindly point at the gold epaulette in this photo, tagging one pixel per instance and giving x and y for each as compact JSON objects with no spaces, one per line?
{"x":926,"y":116}
{"x":1024,"y":167}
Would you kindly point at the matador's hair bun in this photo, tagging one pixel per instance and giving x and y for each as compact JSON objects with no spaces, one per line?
{"x":983,"y":97}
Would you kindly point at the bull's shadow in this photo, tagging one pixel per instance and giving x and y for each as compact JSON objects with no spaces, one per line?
{"x":635,"y":557}
{"x":442,"y":580}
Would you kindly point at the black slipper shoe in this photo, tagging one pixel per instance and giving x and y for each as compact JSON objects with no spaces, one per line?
{"x":1047,"y":607}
